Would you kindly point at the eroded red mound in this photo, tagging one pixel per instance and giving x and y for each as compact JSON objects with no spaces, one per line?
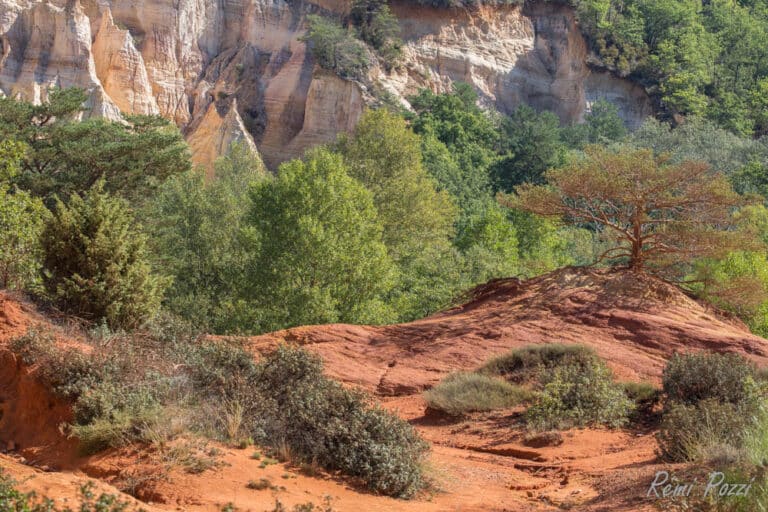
{"x":632,"y":320}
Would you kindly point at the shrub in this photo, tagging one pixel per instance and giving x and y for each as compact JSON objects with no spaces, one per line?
{"x":22,"y":218}
{"x":12,"y":500}
{"x":529,"y":363}
{"x":579,"y":395}
{"x":335,"y":49}
{"x":319,"y":420}
{"x":645,"y":396}
{"x":467,"y":392}
{"x":115,"y":398}
{"x":96,"y":262}
{"x":707,"y":430}
{"x":691,"y":378}
{"x":713,"y":405}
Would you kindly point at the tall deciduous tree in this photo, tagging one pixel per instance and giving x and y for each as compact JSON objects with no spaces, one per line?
{"x":659,"y":213}
{"x":196,"y":227}
{"x":21,"y":221}
{"x":385,"y":155}
{"x":319,"y":254}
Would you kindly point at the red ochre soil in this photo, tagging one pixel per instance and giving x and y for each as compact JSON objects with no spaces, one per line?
{"x":478,"y":463}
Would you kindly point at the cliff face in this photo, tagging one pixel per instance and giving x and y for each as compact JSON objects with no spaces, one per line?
{"x":236,"y":69}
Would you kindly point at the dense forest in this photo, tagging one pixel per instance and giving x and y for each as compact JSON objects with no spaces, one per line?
{"x":393,"y":221}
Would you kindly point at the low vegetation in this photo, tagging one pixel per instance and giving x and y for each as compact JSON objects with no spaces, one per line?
{"x":566,"y":385}
{"x":152,"y":385}
{"x":12,"y":500}
{"x":578,"y":395}
{"x":528,"y":364}
{"x":712,"y":404}
{"x":714,"y":415}
{"x":473,"y":392}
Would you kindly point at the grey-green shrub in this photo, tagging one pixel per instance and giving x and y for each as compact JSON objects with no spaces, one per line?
{"x":335,"y":49}
{"x":702,"y":431}
{"x":12,"y":500}
{"x":644,"y":395}
{"x":578,"y":395}
{"x":530,"y":362}
{"x":322,"y":421}
{"x":461,"y":393}
{"x":713,"y":404}
{"x":691,"y":378}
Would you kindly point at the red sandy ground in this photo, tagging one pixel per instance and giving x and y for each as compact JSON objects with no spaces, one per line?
{"x":478,"y":463}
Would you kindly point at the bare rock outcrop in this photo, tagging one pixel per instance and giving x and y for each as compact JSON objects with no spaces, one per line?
{"x":120,"y":69}
{"x":215,"y":134}
{"x":178,"y":58}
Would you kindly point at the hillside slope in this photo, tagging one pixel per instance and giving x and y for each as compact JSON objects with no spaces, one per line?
{"x":633,"y":321}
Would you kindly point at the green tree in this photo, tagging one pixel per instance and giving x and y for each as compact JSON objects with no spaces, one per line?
{"x":198,"y":238}
{"x":385,"y":156}
{"x":378,"y":27}
{"x":96,"y":264}
{"x":69,"y":156}
{"x":319,"y":256}
{"x":469,"y":132}
{"x":602,"y":125}
{"x":738,"y":282}
{"x":418,"y":220}
{"x":335,"y":49}
{"x":533,"y":144}
{"x":21,"y":222}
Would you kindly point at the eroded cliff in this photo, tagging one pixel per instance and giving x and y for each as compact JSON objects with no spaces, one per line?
{"x":237,"y":69}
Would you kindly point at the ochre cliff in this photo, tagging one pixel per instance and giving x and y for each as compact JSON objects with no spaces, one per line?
{"x":194,"y":60}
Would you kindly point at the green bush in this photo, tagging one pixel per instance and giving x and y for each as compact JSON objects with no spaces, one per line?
{"x":460,"y":393}
{"x":644,"y":395}
{"x":134,"y":389}
{"x":713,"y":405}
{"x":22,"y":218}
{"x":529,"y":363}
{"x":115,"y":398}
{"x":335,"y":49}
{"x":691,"y":378}
{"x":12,"y":500}
{"x":321,"y":421}
{"x":579,"y":394}
{"x":378,"y":27}
{"x":705,"y":431}
{"x":96,"y":265}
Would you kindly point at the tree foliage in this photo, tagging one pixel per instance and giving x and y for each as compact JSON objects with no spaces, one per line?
{"x":319,"y":255}
{"x":378,"y":27}
{"x":532,"y":143}
{"x":198,"y":238}
{"x":699,"y":58}
{"x":21,"y":221}
{"x":96,"y":264}
{"x":658,"y":213}
{"x":67,"y":155}
{"x":385,"y":156}
{"x":335,"y":49}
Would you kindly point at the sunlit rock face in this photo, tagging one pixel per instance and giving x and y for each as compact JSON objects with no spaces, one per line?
{"x":238,"y":70}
